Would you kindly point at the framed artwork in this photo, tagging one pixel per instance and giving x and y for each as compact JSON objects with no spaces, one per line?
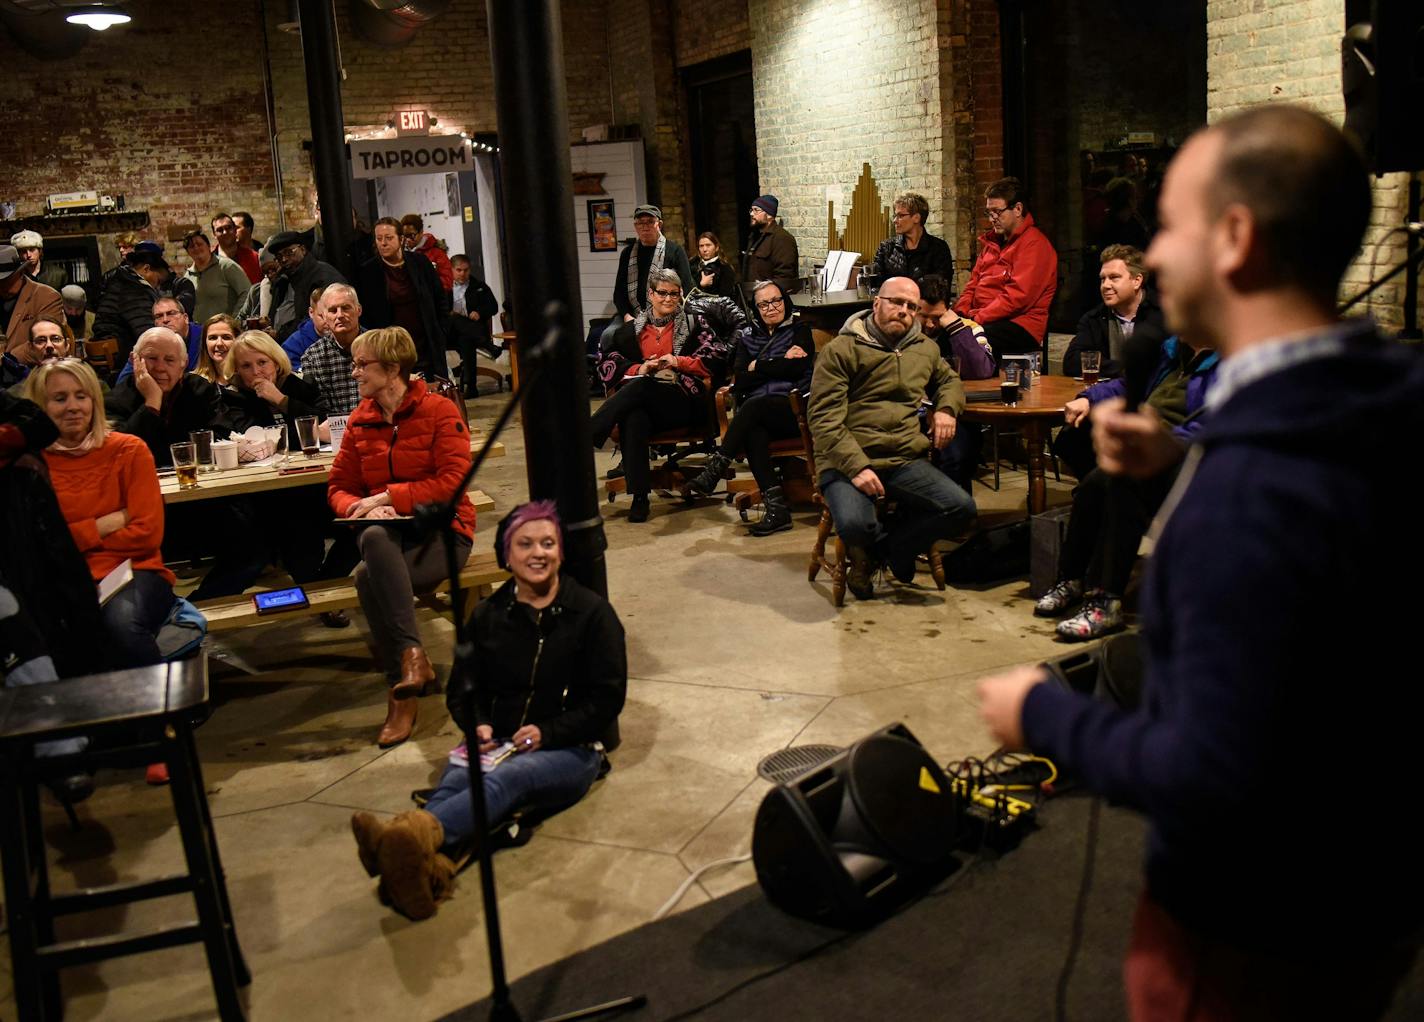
{"x":602,"y":234}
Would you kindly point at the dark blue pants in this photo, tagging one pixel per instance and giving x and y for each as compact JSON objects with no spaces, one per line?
{"x":133,"y":616}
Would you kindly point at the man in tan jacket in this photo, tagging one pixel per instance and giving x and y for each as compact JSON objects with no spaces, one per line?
{"x":23,"y":300}
{"x":864,"y":420}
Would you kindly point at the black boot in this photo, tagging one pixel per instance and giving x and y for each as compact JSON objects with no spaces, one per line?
{"x":777,"y":515}
{"x":711,"y":475}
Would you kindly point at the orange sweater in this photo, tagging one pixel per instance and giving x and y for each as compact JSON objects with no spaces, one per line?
{"x":120,"y":474}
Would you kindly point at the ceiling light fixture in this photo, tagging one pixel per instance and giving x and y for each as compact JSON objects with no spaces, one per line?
{"x":99,"y":17}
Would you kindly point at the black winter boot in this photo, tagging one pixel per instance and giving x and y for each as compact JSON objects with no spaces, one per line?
{"x":777,"y":516}
{"x":711,"y":476}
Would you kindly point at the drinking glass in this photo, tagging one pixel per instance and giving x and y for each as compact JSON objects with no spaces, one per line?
{"x":1009,"y":385}
{"x":306,"y":433}
{"x":185,"y":464}
{"x":202,"y":440}
{"x":1092,"y":363}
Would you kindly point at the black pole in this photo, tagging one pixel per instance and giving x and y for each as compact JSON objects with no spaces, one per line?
{"x":333,"y":184}
{"x":1013,"y":58}
{"x":526,"y":47}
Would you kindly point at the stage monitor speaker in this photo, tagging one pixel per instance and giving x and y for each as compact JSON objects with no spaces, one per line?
{"x":1382,"y":76}
{"x":847,"y":842}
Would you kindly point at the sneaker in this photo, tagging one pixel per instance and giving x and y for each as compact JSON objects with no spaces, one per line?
{"x":1059,"y":599}
{"x":1101,"y":614}
{"x":860,"y":572}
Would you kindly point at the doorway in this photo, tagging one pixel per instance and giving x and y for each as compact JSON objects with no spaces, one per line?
{"x":722,"y":126}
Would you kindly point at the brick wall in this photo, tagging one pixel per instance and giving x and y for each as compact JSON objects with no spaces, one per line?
{"x":706,"y":31}
{"x":1289,"y":50}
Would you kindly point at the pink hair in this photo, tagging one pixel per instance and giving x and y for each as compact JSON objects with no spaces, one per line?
{"x":532,"y":511}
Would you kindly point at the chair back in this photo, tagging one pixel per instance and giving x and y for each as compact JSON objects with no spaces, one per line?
{"x":798,"y":408}
{"x":102,"y":354}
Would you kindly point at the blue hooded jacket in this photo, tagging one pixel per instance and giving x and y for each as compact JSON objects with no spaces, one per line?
{"x":1197,"y":386}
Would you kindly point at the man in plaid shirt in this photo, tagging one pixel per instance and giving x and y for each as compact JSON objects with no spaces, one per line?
{"x":327,"y":363}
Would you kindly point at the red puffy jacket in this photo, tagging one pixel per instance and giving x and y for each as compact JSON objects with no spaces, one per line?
{"x":1013,"y":281}
{"x":430,"y":248}
{"x":419,"y":458}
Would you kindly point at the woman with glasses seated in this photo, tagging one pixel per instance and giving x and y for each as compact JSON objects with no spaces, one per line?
{"x":662,"y":370}
{"x":775,"y":355}
{"x":913,"y":252}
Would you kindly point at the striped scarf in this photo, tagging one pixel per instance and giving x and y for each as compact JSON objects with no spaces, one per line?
{"x":636,"y":300}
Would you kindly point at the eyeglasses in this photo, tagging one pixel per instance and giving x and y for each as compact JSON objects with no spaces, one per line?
{"x":40,"y":342}
{"x":360,"y":364}
{"x":904,"y":303}
{"x":667,"y":294}
{"x":994,"y":214}
{"x":901,"y":215}
{"x":770,"y":303}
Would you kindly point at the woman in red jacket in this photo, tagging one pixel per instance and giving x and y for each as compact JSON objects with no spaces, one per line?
{"x":404,"y":446}
{"x":108,"y":491}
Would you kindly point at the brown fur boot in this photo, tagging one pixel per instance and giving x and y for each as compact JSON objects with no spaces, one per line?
{"x":369,"y":830}
{"x":407,"y":857}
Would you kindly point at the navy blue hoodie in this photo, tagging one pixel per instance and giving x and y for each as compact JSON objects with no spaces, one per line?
{"x":1280,"y":726}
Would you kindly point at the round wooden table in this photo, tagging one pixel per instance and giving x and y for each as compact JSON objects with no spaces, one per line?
{"x":1039,"y":409}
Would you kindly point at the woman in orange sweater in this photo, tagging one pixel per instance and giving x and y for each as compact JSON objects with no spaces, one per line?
{"x":108,"y":491}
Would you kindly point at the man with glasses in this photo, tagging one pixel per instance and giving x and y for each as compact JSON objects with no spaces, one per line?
{"x":301,"y":273}
{"x":653,"y":252}
{"x":168,"y":312}
{"x":771,"y":249}
{"x":662,"y":370}
{"x":225,"y":230}
{"x":913,"y":252}
{"x":864,"y":420}
{"x":1015,"y":276}
{"x":49,"y":340}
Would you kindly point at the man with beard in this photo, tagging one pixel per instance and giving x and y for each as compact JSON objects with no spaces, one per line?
{"x":771,"y":250}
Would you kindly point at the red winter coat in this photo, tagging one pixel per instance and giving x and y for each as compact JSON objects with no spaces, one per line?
{"x":430,"y":248}
{"x":419,"y":458}
{"x":1013,"y":281}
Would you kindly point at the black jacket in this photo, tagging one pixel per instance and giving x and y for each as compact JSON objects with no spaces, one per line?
{"x":434,"y":303}
{"x":932,"y":255}
{"x":767,"y":347}
{"x":194,"y":404}
{"x":1093,"y":335}
{"x":724,"y":283}
{"x":125,"y":308}
{"x":567,"y":675}
{"x":712,"y":327}
{"x":311,"y":273}
{"x":636,"y":258}
{"x":245,"y":409}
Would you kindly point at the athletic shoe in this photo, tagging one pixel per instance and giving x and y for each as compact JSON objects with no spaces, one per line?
{"x":1058,"y":599}
{"x":1100,"y":615}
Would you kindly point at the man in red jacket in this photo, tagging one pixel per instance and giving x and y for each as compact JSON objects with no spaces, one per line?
{"x":1015,"y":276}
{"x":415,"y":239}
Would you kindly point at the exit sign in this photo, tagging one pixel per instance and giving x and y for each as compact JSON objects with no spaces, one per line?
{"x":412,"y":122}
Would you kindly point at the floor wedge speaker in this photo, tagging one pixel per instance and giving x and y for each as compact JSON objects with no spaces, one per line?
{"x":849,"y":841}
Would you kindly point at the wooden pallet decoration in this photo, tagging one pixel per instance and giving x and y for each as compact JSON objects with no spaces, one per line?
{"x":868,"y":223}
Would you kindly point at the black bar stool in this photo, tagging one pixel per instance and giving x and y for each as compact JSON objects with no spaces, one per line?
{"x":133,"y":718}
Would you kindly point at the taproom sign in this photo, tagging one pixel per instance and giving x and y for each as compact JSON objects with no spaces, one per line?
{"x":423,"y":154}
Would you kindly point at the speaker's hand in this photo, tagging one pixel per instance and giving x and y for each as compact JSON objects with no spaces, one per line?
{"x":1001,"y":699}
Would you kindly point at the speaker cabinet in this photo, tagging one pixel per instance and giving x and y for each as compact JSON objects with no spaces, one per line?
{"x":850,"y":840}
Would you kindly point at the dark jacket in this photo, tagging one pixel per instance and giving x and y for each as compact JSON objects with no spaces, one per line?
{"x":1277,"y":610}
{"x":771,"y":255}
{"x":674,"y":258}
{"x":311,"y":273}
{"x":724,"y":282}
{"x":1203,"y":375}
{"x":125,"y":308}
{"x":931,"y":255}
{"x":180,"y":287}
{"x":194,"y":404}
{"x":1093,"y":335}
{"x":433,"y":299}
{"x":712,"y":327}
{"x":567,"y":675}
{"x":774,"y":373}
{"x":245,"y":409}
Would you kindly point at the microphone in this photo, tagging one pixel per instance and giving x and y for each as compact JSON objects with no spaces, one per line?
{"x":1140,"y":355}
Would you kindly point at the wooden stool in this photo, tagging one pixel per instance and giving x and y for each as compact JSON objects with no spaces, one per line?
{"x":133,"y":718}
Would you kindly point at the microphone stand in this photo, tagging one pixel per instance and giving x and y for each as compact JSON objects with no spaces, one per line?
{"x":440,"y":518}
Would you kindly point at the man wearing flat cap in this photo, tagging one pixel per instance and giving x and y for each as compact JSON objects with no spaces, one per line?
{"x":301,"y":273}
{"x":22,"y":299}
{"x":653,"y":251}
{"x":771,"y":250}
{"x":31,"y":248}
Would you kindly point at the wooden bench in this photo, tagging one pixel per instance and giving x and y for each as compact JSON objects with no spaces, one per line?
{"x":229,"y":613}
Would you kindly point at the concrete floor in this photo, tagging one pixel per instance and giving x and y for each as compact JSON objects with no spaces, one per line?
{"x":732,"y":655}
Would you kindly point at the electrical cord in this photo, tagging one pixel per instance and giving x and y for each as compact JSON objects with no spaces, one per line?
{"x":1080,"y":911}
{"x":686,"y":885}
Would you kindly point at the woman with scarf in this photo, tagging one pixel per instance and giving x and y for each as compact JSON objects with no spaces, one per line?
{"x":711,"y":273}
{"x":775,"y":355}
{"x":662,"y":370}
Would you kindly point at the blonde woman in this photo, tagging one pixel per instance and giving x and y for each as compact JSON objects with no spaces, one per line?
{"x":218,"y":334}
{"x":108,"y":492}
{"x":262,"y":390}
{"x":404,"y":446}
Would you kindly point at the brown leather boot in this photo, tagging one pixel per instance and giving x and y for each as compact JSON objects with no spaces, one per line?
{"x":417,"y":674}
{"x":400,"y":721}
{"x":410,"y":874}
{"x":369,"y":829}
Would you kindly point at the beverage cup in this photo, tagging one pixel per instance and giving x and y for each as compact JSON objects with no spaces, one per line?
{"x":306,"y":433}
{"x":1092,"y":363}
{"x":203,"y":448}
{"x":185,"y":464}
{"x":225,"y":454}
{"x":1009,"y":385}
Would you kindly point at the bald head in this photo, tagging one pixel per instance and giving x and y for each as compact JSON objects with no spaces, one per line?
{"x":160,"y":338}
{"x":895,"y":307}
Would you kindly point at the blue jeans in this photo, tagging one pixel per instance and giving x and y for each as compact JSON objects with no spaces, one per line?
{"x":543,"y":779}
{"x":931,"y":507}
{"x":133,"y":616}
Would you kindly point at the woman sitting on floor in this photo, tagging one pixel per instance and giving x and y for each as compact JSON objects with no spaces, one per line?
{"x":552,"y":675}
{"x":108,"y":491}
{"x":218,"y":334}
{"x":775,"y":355}
{"x":404,"y":446}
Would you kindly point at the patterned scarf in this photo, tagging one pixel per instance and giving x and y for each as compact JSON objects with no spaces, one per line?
{"x":679,"y":329}
{"x":634,"y":299}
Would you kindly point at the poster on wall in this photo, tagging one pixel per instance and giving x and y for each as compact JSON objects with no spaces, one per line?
{"x":602,"y":236}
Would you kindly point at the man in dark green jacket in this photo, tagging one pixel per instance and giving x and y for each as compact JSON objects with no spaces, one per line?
{"x":863,"y":415}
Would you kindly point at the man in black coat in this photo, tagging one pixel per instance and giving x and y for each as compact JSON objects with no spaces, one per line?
{"x":1126,"y":305}
{"x":400,"y":288}
{"x":301,"y":274}
{"x":126,"y":307}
